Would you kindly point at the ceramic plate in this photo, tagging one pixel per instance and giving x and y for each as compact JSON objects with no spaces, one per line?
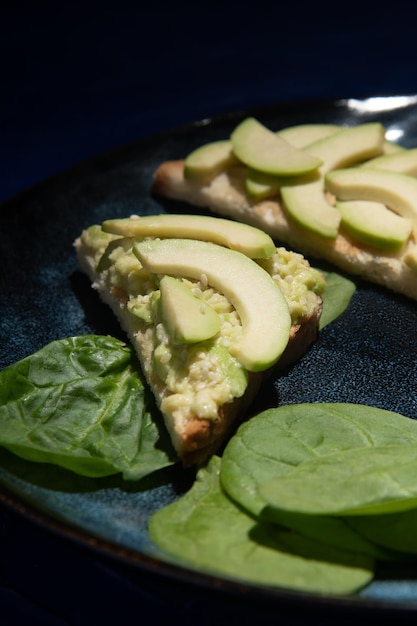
{"x":368,"y":355}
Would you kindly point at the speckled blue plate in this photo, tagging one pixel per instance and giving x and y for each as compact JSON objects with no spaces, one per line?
{"x":369,"y":355}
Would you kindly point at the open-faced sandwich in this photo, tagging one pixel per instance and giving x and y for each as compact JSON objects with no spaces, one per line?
{"x":211,"y":306}
{"x":345,"y":195}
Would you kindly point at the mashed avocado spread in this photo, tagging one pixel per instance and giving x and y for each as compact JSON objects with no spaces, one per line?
{"x":204,"y":375}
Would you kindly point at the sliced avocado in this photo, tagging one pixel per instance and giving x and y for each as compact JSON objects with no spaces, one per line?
{"x":263,"y":150}
{"x":236,"y":375}
{"x":208,"y":160}
{"x":397,"y":191}
{"x":404,"y":162}
{"x":302,"y":135}
{"x":105,"y":260}
{"x":348,"y":146}
{"x":306,"y":203}
{"x":374,"y":224}
{"x":188,"y":319}
{"x":260,"y":186}
{"x":308,"y":208}
{"x":259,"y":302}
{"x":249,"y":240}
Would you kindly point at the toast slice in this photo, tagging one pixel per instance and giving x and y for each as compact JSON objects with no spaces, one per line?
{"x":225,"y":192}
{"x":200,"y":388}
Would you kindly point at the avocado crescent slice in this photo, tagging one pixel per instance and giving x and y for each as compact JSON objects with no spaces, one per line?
{"x":258,"y":300}
{"x":251,"y":241}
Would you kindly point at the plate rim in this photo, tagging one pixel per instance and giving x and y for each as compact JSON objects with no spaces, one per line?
{"x":128,"y":556}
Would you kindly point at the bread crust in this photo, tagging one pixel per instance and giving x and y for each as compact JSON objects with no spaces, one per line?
{"x":195,"y":438}
{"x":225,"y":195}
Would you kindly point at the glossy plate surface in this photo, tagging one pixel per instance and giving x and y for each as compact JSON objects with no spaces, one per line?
{"x":368,"y":356}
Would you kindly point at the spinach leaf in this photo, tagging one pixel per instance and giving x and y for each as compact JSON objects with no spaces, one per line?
{"x":352,"y":482}
{"x":80,"y":403}
{"x":395,"y":531}
{"x":337,"y":296}
{"x":204,"y":530}
{"x":276,"y":441}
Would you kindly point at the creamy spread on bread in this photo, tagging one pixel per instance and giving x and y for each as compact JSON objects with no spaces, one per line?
{"x":190,"y":381}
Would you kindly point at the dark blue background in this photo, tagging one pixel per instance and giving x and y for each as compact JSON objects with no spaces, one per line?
{"x":80,"y":78}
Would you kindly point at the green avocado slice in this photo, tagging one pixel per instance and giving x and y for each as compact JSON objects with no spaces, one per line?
{"x":260,"y":304}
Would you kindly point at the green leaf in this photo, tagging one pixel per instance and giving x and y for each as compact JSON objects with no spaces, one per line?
{"x":336,"y":298}
{"x":276,"y":441}
{"x":204,"y":530}
{"x":79,"y":403}
{"x":395,"y":531}
{"x":352,"y":482}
